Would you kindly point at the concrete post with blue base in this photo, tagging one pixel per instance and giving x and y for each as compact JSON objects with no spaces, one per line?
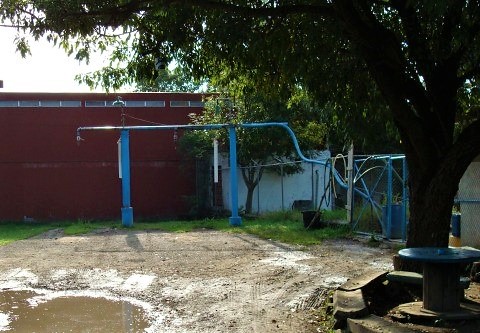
{"x":235,"y":220}
{"x":127,"y":210}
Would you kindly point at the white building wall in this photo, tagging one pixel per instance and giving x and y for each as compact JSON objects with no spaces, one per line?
{"x":306,"y":185}
{"x":469,"y":199}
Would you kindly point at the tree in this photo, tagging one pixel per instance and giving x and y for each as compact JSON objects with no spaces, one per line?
{"x":255,"y":147}
{"x":170,"y":80}
{"x":420,"y":57}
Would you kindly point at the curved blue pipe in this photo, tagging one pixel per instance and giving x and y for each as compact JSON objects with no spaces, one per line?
{"x":338,"y":179}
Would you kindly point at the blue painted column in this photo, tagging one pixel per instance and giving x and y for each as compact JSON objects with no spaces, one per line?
{"x":404,"y":199}
{"x":235,"y":220}
{"x":389,"y":197}
{"x":127,"y":211}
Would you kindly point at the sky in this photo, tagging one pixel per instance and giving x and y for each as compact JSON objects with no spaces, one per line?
{"x":47,"y":69}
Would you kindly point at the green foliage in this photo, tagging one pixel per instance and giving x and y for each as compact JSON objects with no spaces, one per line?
{"x":255,"y":147}
{"x":175,"y":80}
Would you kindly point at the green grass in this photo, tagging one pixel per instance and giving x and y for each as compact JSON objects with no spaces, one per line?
{"x":86,"y":226}
{"x":335,"y":215}
{"x":284,"y":226}
{"x":12,"y":231}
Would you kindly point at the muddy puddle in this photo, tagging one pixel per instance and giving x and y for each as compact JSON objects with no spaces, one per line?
{"x":28,"y":311}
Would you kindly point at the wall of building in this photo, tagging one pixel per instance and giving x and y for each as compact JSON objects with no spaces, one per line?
{"x":45,"y":175}
{"x":469,"y":201}
{"x":270,"y":195}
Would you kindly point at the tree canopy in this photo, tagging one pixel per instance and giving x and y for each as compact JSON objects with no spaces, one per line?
{"x":414,"y":63}
{"x":256,"y":148}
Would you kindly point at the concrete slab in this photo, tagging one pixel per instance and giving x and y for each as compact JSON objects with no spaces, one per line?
{"x":417,"y":278}
{"x":349,"y":304}
{"x":375,"y":324}
{"x":467,"y":311}
{"x":405,"y":277}
{"x":363,"y":280}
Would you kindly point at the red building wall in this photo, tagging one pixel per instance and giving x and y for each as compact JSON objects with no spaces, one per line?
{"x":45,"y":175}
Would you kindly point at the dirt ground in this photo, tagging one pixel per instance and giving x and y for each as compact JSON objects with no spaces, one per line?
{"x":204,"y":281}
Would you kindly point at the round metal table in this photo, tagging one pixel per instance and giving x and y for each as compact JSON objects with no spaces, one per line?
{"x":441,"y":274}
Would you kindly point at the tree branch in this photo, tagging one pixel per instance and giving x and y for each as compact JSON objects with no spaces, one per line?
{"x":415,"y":38}
{"x":122,"y":12}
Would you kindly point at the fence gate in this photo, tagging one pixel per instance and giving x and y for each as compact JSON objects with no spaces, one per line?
{"x":379,"y":204}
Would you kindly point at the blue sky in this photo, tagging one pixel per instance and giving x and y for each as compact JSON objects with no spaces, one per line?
{"x":48,"y":69}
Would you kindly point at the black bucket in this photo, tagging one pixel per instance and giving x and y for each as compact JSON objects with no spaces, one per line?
{"x":312,"y":219}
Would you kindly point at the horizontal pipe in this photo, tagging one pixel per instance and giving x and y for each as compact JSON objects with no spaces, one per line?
{"x":151,"y":127}
{"x":467,"y":200}
{"x":381,"y":157}
{"x":283,"y":125}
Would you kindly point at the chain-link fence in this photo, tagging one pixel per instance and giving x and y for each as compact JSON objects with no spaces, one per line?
{"x":467,"y":203}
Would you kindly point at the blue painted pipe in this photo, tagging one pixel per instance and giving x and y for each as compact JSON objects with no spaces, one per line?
{"x":235,"y":220}
{"x":127,"y":211}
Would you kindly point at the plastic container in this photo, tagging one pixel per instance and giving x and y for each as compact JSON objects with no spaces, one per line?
{"x":396,"y":222}
{"x":312,"y":219}
{"x":455,"y":223}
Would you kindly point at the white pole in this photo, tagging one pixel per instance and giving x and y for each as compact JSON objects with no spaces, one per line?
{"x":119,"y":146}
{"x":350,"y":183}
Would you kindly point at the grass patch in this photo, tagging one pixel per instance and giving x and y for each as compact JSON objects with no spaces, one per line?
{"x":334,"y":215}
{"x":285,"y":226}
{"x":86,"y":226}
{"x":184,"y":226}
{"x":293,"y":232}
{"x":12,"y":231}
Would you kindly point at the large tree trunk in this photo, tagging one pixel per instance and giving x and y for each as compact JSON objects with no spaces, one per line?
{"x":424,"y":110}
{"x":431,"y":200}
{"x":432,"y":191}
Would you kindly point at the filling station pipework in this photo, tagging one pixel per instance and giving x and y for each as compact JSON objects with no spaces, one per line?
{"x":235,"y":219}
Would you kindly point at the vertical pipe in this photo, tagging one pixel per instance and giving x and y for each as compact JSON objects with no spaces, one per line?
{"x":258,"y":192}
{"x":350,"y":188}
{"x":312,"y":186}
{"x":235,"y":220}
{"x":404,"y":199}
{"x":389,"y":197}
{"x":215,"y":161}
{"x":127,"y":211}
{"x":283,"y":195}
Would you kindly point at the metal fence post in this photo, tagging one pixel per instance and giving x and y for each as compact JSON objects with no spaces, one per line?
{"x":127,"y":210}
{"x":234,"y":219}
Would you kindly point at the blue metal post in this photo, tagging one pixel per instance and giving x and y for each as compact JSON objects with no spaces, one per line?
{"x":389,"y":198}
{"x":234,"y":219}
{"x":404,"y":199}
{"x":127,"y":210}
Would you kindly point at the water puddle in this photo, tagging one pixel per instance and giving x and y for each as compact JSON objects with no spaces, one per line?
{"x":27,"y":311}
